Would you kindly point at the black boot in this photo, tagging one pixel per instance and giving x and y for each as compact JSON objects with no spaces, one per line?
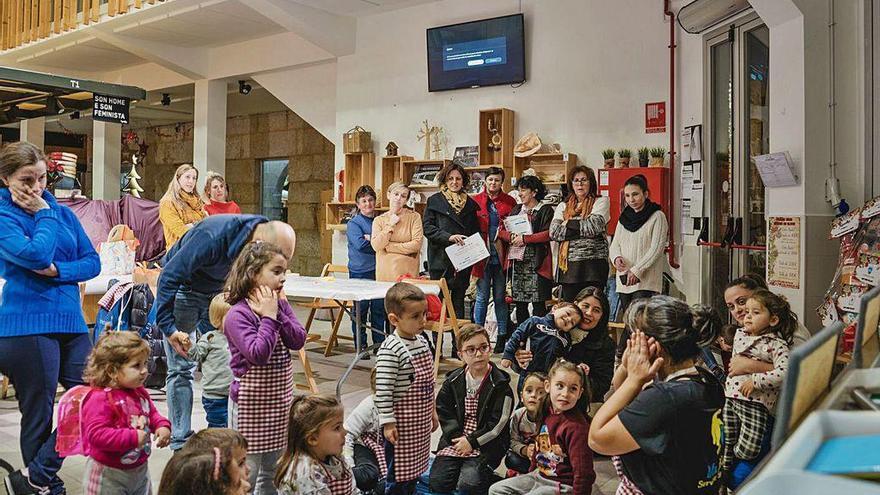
{"x":500,"y":342}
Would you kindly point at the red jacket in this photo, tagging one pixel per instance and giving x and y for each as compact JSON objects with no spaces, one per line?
{"x":504,"y":203}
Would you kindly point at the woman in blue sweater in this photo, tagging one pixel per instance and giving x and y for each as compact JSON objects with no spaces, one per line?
{"x":362,"y":264}
{"x":44,"y":253}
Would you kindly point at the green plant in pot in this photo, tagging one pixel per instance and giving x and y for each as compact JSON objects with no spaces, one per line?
{"x":608,"y":155}
{"x":643,"y":156}
{"x":624,"y":155}
{"x":657,"y":156}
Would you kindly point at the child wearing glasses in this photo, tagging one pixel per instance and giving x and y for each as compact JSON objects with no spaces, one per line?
{"x":474,"y":407}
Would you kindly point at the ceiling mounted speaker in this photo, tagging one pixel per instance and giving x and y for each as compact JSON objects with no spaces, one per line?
{"x":700,"y":15}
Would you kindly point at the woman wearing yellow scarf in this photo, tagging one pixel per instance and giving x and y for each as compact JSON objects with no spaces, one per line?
{"x":450,"y":217}
{"x":181,"y":207}
{"x":579,"y":226}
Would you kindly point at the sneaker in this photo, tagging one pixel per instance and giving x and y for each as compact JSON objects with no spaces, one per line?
{"x":18,"y":484}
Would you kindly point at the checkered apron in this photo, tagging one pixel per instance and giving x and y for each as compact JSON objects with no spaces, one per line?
{"x":626,"y":487}
{"x":413,"y":413}
{"x":264,"y":397}
{"x":342,"y":486}
{"x":371,"y":441}
{"x":470,"y":421}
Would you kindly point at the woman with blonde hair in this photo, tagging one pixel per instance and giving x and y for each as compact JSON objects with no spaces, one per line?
{"x":217,"y":194}
{"x":181,"y":207}
{"x":397,"y":237}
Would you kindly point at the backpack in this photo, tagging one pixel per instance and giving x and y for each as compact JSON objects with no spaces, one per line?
{"x":69,"y":439}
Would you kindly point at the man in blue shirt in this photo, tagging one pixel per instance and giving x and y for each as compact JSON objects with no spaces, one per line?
{"x":193,"y":271}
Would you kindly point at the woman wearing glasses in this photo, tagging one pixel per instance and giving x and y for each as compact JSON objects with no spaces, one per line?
{"x":579,"y":226}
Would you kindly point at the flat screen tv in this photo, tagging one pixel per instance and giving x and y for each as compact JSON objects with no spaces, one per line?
{"x":478,"y":53}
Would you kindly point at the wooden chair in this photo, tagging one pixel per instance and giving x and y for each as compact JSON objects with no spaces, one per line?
{"x":448,"y":322}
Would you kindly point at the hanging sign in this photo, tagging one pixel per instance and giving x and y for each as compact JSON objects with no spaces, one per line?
{"x":110,"y":109}
{"x":783,"y":252}
{"x":655,"y":117}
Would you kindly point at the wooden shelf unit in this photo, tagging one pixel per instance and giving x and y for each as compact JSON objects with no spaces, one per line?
{"x":336,"y":210}
{"x":408,"y":168}
{"x":551,"y":163}
{"x":392,"y":171}
{"x":503,"y":120}
{"x":360,"y":170}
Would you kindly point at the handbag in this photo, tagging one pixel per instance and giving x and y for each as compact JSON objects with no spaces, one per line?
{"x":117,"y":255}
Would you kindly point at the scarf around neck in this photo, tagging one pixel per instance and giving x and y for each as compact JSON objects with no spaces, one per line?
{"x":456,"y":200}
{"x":633,"y":220}
{"x":573,"y":209}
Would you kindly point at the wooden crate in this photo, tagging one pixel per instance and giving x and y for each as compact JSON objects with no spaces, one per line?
{"x":392,"y":171}
{"x":360,"y":170}
{"x":503,"y":120}
{"x":335,"y":211}
{"x":547,"y":164}
{"x":408,"y":169}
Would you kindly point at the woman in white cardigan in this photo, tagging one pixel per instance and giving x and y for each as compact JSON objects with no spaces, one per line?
{"x":637,"y":248}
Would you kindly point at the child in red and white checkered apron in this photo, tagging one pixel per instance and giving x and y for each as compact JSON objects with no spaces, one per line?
{"x":405,"y":390}
{"x":312,"y":461}
{"x":261,"y":328}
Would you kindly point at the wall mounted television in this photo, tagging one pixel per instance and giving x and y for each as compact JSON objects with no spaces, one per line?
{"x":477,"y":53}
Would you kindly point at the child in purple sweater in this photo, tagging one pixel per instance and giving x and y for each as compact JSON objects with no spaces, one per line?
{"x":260,"y":328}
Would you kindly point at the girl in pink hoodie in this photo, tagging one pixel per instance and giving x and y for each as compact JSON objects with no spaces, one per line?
{"x":118,"y":417}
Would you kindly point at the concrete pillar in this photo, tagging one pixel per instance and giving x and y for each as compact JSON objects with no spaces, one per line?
{"x":106,"y":157}
{"x":34,"y":131}
{"x":209,"y":136}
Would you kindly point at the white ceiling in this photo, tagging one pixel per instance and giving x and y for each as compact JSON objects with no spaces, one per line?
{"x":360,"y":8}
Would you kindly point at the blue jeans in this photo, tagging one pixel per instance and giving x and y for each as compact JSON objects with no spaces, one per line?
{"x":217,"y":412}
{"x":376,"y":308}
{"x":35,"y":364}
{"x":494,"y":276}
{"x":190,"y":315}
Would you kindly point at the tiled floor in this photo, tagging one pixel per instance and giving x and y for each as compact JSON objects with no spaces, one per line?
{"x":327,"y":371}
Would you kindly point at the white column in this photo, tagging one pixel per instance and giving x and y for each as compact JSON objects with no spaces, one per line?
{"x":34,"y":131}
{"x":106,"y":157}
{"x":209,"y":136}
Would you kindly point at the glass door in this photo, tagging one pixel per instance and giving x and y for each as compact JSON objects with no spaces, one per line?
{"x":737,"y":78}
{"x":274,"y":186}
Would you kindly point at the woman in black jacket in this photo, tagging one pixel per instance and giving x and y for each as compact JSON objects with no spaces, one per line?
{"x":591,"y":348}
{"x":450,"y":217}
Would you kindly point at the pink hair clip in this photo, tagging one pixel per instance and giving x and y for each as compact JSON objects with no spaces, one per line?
{"x":216,"y":463}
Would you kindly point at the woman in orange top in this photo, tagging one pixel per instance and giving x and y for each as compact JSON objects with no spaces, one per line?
{"x":217,"y":192}
{"x":181,"y":207}
{"x":397,"y":237}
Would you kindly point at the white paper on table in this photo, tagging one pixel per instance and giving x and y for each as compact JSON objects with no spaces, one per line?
{"x":472,"y":251}
{"x":518,"y":224}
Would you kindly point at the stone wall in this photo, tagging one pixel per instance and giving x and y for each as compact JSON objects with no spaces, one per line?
{"x":250,"y":139}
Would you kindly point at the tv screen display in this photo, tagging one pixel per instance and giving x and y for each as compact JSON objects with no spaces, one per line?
{"x":477,"y":53}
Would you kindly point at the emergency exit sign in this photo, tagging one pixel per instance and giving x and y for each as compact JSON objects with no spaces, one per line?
{"x":655,"y":117}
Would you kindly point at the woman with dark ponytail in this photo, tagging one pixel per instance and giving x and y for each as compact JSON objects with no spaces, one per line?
{"x":666,"y":436}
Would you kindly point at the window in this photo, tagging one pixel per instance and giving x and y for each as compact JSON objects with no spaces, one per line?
{"x":273,"y":189}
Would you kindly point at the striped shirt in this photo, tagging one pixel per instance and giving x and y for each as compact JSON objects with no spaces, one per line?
{"x":395,"y":373}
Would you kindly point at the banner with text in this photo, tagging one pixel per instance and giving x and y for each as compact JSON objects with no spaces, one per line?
{"x":110,"y":109}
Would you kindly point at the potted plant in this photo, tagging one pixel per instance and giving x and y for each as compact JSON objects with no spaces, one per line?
{"x":657,"y":156}
{"x":608,"y":155}
{"x":644,"y":151}
{"x":624,"y":155}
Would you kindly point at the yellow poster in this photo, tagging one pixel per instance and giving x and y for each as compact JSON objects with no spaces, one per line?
{"x":783,"y":252}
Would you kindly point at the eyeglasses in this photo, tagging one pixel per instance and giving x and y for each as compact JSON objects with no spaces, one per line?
{"x":582,"y":180}
{"x":472,"y":351}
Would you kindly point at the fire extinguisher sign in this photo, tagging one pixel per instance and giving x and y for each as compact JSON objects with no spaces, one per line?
{"x":655,"y":117}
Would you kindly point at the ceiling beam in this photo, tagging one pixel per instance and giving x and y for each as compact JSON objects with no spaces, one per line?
{"x":188,"y":62}
{"x":331,"y":32}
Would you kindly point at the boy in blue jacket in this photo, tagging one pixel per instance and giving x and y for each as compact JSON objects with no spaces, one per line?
{"x":546,"y":336}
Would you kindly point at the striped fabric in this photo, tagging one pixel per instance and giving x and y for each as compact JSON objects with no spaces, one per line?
{"x":395,"y":372}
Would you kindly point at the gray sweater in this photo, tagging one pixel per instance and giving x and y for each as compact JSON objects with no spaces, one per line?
{"x":212,"y":351}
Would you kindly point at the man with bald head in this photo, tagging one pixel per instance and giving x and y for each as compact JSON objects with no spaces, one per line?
{"x":193,"y":271}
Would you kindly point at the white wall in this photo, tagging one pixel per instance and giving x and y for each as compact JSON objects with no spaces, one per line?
{"x":591,"y":67}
